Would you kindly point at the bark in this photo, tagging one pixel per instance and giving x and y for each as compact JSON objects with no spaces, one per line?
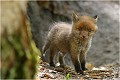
{"x":19,"y":55}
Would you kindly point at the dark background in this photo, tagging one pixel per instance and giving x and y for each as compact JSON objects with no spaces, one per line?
{"x":105,"y":44}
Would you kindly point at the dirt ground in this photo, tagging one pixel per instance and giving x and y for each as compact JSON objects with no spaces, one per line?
{"x":107,"y":72}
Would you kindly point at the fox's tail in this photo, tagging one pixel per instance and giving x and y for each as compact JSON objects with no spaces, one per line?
{"x":45,"y":47}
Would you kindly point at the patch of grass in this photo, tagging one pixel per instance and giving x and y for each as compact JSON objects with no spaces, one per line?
{"x":67,"y":76}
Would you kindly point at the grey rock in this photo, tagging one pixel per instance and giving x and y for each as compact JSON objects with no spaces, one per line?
{"x":105,"y":44}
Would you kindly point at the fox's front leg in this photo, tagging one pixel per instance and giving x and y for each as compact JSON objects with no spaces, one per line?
{"x":82,"y":59}
{"x":74,"y":56}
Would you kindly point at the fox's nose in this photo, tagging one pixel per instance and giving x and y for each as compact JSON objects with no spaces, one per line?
{"x":83,"y":36}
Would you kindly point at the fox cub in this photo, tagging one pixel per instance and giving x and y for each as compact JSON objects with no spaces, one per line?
{"x":74,"y":39}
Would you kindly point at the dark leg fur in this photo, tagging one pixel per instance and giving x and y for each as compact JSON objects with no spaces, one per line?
{"x":51,"y":60}
{"x":82,"y":60}
{"x":51,"y":56}
{"x":78,"y":67}
{"x":61,"y":60}
{"x":77,"y":64}
{"x":83,"y":65}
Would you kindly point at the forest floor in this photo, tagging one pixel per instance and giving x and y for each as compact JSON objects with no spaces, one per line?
{"x":106,"y":72}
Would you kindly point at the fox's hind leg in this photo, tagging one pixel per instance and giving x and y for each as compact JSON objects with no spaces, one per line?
{"x":61,"y":59}
{"x":52,"y":53}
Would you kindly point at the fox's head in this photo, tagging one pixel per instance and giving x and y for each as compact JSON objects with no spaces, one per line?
{"x":84,"y":27}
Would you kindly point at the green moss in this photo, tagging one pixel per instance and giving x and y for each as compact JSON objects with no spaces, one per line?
{"x":18,"y":62}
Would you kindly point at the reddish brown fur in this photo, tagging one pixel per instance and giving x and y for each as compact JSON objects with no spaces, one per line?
{"x":86,"y":23}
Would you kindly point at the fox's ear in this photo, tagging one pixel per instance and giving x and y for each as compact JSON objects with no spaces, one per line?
{"x":96,"y":17}
{"x":75,"y":17}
